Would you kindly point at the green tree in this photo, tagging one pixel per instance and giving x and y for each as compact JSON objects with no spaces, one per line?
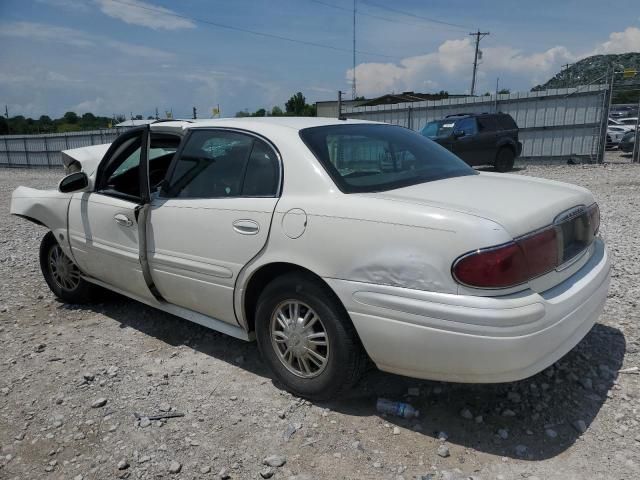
{"x":296,"y":104}
{"x":4,"y":126}
{"x":504,"y":91}
{"x":276,"y":111}
{"x":71,"y":117}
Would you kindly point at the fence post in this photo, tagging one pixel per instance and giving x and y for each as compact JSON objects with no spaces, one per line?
{"x":410,"y":117}
{"x":635,"y":157}
{"x":6,"y":148}
{"x":46,"y":149}
{"x":26,"y":153}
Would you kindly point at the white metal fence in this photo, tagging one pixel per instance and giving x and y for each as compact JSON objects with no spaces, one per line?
{"x":555,"y":125}
{"x":44,"y":150}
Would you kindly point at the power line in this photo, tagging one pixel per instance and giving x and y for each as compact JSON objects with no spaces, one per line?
{"x":370,"y":15}
{"x":252,"y":32}
{"x":414,"y":15}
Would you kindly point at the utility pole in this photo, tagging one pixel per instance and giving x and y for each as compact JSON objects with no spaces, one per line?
{"x":479,"y":36}
{"x":157,"y":117}
{"x":353,"y":86}
{"x":339,"y":104}
{"x":6,"y":112}
{"x":195,"y":113}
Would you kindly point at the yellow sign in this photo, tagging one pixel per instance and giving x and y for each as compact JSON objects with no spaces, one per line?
{"x":629,"y":73}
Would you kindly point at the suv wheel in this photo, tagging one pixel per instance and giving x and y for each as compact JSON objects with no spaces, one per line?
{"x":62,"y":275}
{"x":306,"y":338}
{"x":504,"y":160}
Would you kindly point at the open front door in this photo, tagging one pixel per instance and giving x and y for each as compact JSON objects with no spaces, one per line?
{"x":103,"y":224}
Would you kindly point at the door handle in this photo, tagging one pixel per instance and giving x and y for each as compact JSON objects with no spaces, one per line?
{"x":123,"y":220}
{"x":246,"y":227}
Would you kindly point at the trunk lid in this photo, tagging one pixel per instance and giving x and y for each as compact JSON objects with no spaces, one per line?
{"x":519,"y":204}
{"x":84,"y":159}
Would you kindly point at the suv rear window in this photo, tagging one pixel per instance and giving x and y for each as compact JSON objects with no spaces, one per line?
{"x":374,"y":158}
{"x":487,"y":123}
{"x":506,"y":122}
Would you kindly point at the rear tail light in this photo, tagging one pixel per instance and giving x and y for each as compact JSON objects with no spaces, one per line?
{"x":516,"y":262}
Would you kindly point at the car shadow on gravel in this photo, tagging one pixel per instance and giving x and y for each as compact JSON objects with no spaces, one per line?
{"x":532,"y":419}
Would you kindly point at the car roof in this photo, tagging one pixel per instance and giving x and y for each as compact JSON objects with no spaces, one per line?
{"x":255,"y":123}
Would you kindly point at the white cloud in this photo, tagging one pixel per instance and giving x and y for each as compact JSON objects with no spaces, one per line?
{"x":145,"y":14}
{"x":621,"y":42}
{"x":453,"y":60}
{"x":77,"y":38}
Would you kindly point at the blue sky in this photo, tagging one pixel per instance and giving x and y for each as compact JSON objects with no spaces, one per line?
{"x":122,"y":56}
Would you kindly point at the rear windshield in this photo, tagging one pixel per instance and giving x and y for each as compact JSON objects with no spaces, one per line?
{"x":374,"y":158}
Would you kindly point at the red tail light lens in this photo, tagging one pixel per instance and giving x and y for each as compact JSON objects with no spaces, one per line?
{"x":498,"y":267}
{"x":529,"y":256}
{"x":541,"y":251}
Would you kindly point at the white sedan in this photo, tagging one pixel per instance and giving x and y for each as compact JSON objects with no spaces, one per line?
{"x":330,"y":242}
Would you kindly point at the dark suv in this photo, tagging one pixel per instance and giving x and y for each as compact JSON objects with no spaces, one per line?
{"x":478,"y":138}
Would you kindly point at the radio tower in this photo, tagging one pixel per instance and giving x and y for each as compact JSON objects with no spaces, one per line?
{"x":353,"y":85}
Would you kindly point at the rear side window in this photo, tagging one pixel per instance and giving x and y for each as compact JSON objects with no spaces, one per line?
{"x":220,"y":164}
{"x":505,"y":122}
{"x":467,"y":125}
{"x":374,"y":158}
{"x":487,"y":124}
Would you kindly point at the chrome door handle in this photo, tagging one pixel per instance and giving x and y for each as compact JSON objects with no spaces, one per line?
{"x":246,"y":227}
{"x":123,"y":220}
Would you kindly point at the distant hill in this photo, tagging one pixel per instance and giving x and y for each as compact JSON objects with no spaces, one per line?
{"x":589,"y":69}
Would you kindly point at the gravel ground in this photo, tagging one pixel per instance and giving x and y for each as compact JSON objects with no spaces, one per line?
{"x":72,"y":380}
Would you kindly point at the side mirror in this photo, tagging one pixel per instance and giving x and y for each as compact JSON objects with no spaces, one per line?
{"x":74,"y":182}
{"x":459,"y":133}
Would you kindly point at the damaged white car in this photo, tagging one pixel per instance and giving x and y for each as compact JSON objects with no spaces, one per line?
{"x":329,"y":241}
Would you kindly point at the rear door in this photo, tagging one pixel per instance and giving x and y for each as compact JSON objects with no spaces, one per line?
{"x":212,"y":217}
{"x":487,"y":138}
{"x":465,"y":141}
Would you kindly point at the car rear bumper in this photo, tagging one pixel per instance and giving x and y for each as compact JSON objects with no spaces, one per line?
{"x":476,"y":339}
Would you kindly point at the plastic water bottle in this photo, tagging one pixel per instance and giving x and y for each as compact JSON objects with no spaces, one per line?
{"x":399,"y":409}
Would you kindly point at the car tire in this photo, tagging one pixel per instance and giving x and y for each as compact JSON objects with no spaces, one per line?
{"x":504,"y":160}
{"x":62,"y":275}
{"x":344,"y":354}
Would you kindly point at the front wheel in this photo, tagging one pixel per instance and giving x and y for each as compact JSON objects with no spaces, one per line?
{"x":504,"y":160}
{"x":62,"y":275}
{"x":306,"y":338}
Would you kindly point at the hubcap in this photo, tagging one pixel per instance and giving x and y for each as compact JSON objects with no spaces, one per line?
{"x":299,"y":338}
{"x":63,"y":270}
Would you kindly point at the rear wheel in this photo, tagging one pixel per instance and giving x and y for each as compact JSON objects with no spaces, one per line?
{"x":62,"y":275}
{"x":306,"y":338}
{"x":504,"y":160}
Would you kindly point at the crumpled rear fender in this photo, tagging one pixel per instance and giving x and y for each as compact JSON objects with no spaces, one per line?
{"x":44,"y":207}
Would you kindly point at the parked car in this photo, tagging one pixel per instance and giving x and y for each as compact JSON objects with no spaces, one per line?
{"x":618,"y":124}
{"x":614,"y":135}
{"x":630,"y":121}
{"x":328,"y":242}
{"x":478,"y":139}
{"x":627,"y":142}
